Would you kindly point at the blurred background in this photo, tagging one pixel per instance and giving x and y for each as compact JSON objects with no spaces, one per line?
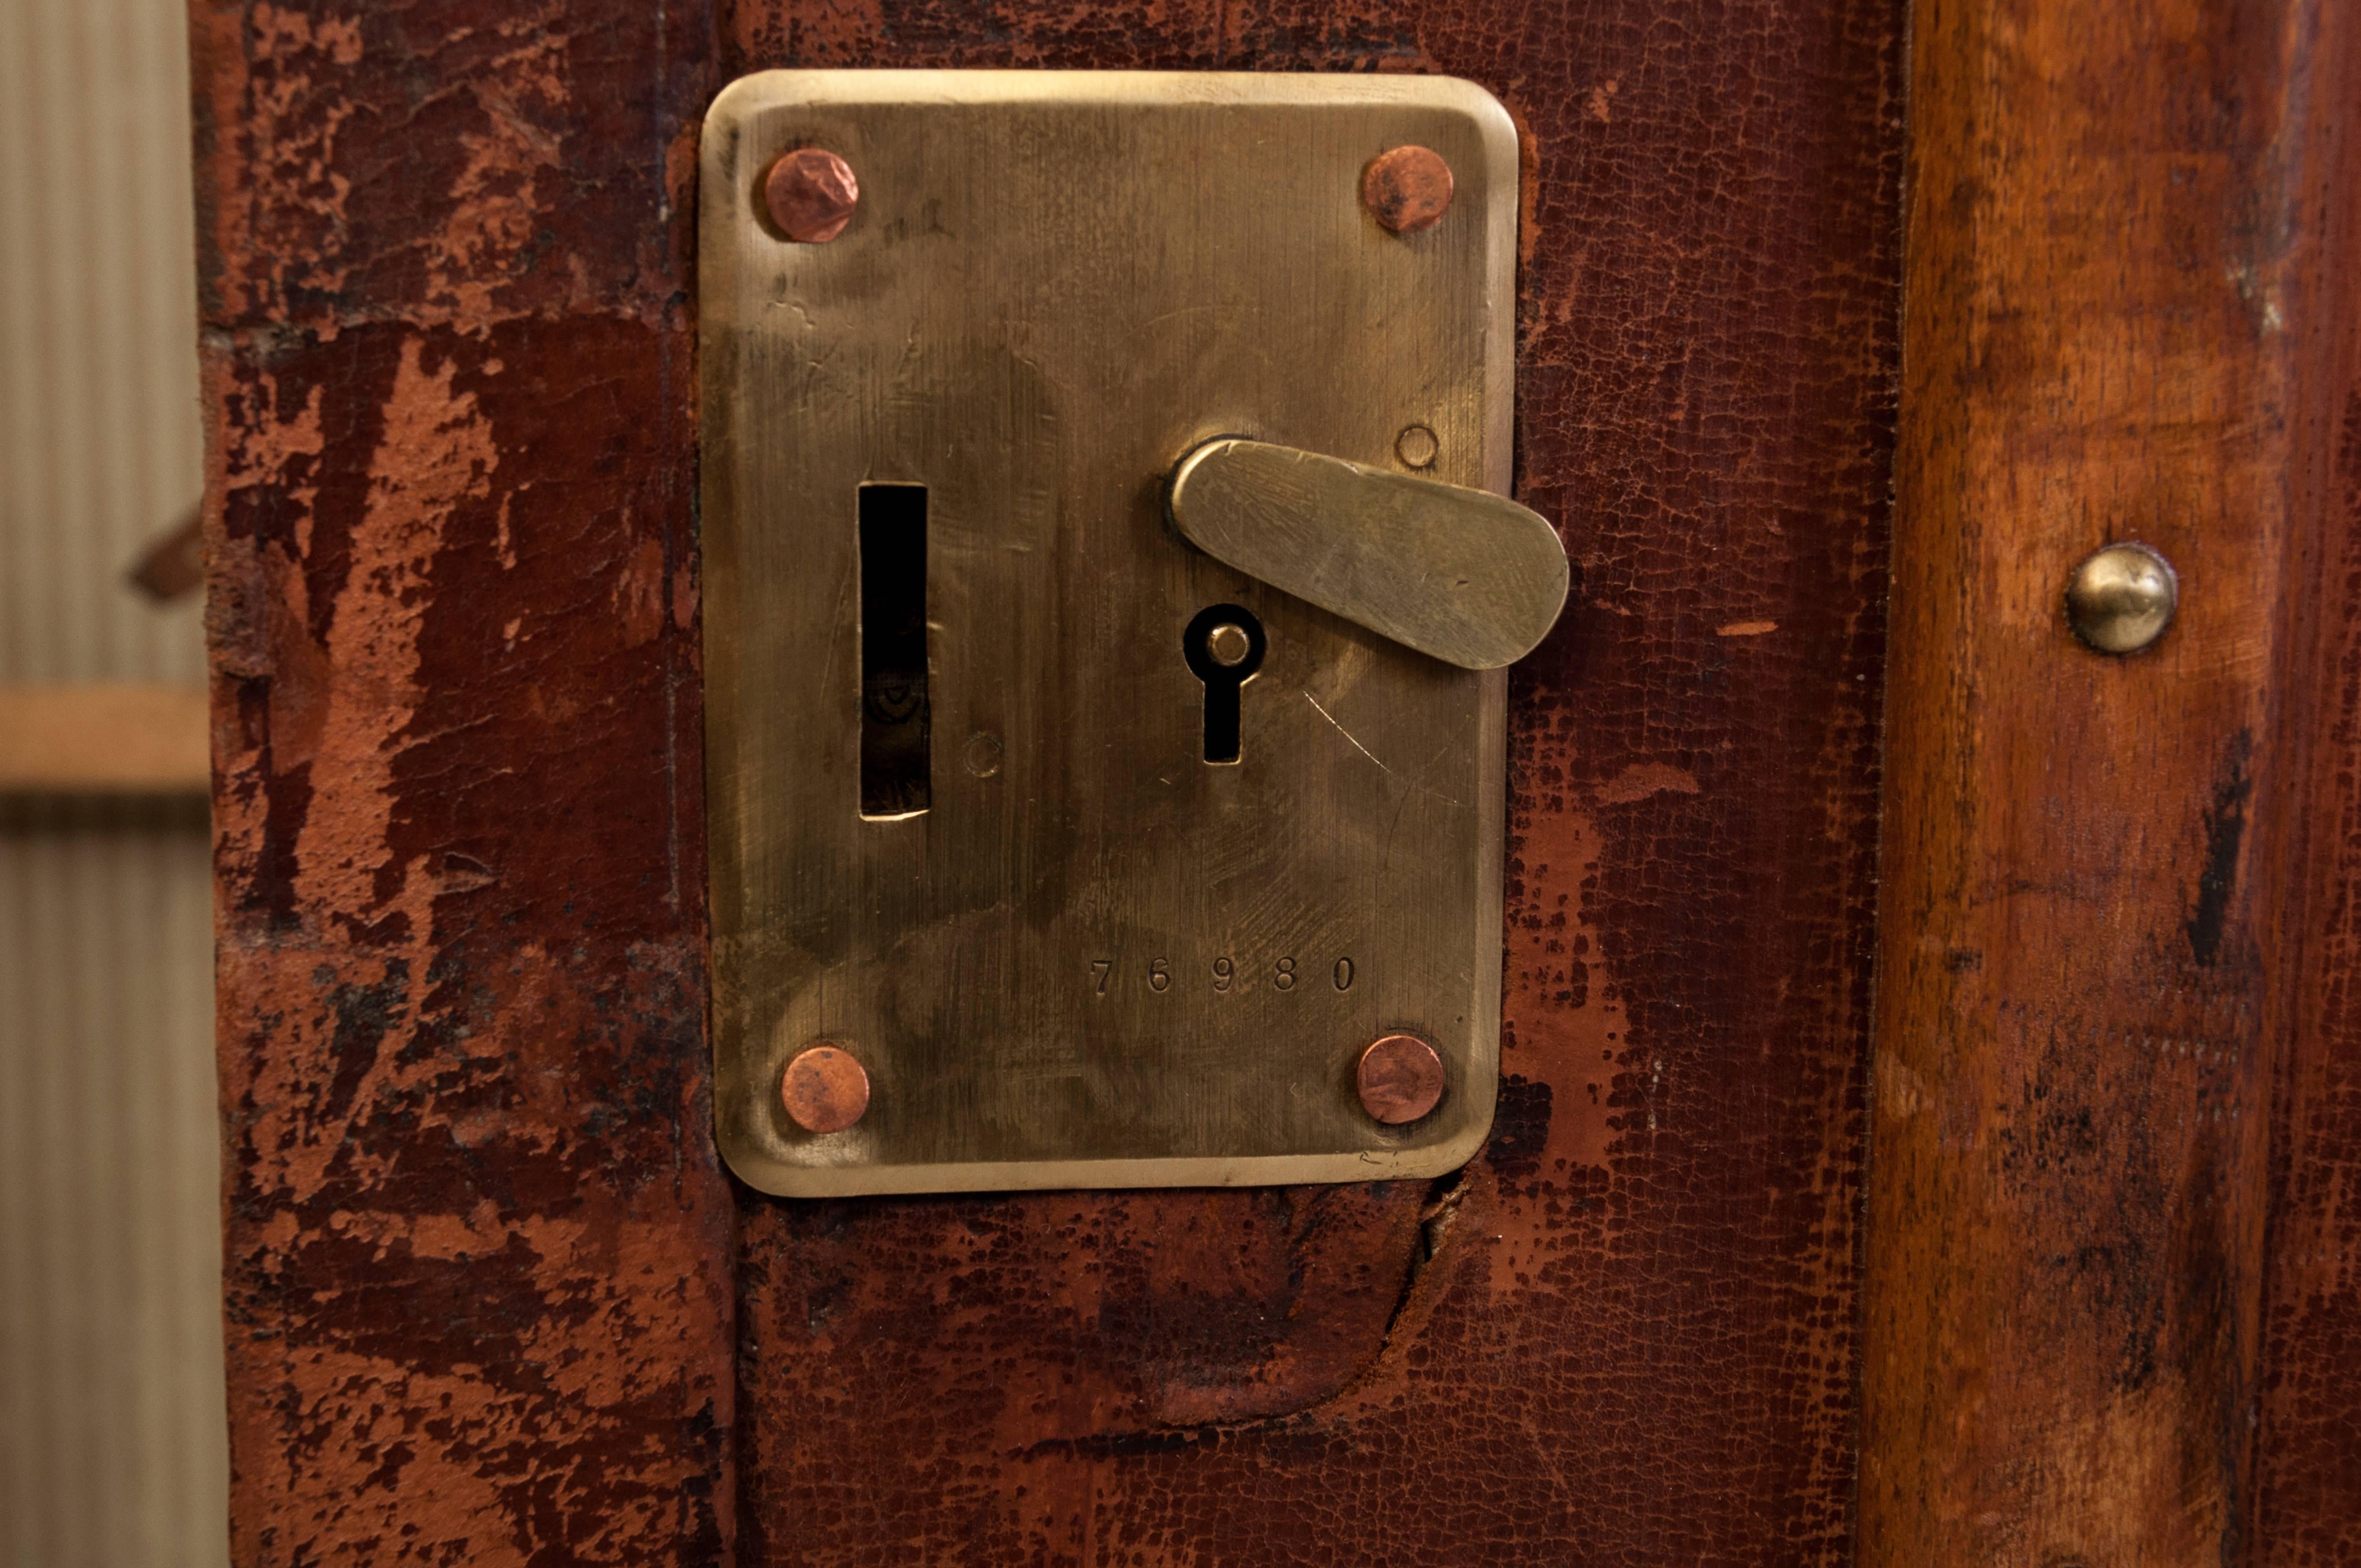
{"x":112,"y":1447}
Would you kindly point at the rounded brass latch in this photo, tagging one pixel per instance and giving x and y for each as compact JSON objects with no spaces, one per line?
{"x":2121,"y":598}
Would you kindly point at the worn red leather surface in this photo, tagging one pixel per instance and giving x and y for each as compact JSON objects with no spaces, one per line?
{"x":479,"y":1249}
{"x":487,"y":1286}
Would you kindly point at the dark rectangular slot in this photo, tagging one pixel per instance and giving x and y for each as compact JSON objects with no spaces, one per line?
{"x":894,"y":718}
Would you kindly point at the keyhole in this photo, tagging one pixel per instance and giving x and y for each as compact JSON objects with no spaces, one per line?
{"x":1224,"y":646}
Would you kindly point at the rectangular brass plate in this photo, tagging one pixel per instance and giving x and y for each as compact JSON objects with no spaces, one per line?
{"x":1094,"y":959}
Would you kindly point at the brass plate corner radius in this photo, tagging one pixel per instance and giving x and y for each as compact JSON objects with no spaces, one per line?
{"x":1047,"y":848}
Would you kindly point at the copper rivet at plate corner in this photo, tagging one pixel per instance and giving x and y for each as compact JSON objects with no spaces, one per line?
{"x":1407,"y":188}
{"x":824,"y":1090}
{"x":2122,"y":597}
{"x":1400,"y":1079}
{"x":811,"y":193}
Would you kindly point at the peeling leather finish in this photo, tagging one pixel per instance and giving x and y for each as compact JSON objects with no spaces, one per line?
{"x":477,"y":1246}
{"x":487,"y":1284}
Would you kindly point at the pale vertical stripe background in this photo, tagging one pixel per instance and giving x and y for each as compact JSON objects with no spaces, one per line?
{"x":112,"y":1450}
{"x":99,"y":441}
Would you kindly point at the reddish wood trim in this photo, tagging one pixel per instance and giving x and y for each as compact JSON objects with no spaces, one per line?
{"x":2307,"y":1483}
{"x":2123,"y":321}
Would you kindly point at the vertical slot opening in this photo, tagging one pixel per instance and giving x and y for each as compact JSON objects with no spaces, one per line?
{"x":893,"y":716}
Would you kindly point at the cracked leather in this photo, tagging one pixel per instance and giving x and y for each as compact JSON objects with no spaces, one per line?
{"x":490,"y":1296}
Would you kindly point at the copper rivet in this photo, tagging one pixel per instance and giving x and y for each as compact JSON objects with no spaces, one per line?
{"x":1229,"y":644}
{"x":1400,"y":1079}
{"x":2121,"y":598}
{"x":811,"y":193}
{"x":1416,"y":446}
{"x":824,"y":1090}
{"x":1408,"y":189}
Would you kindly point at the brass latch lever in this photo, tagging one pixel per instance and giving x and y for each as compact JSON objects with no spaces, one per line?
{"x":1464,"y":575}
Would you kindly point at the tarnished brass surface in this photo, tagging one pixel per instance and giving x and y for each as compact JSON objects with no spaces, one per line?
{"x":1468,"y":576}
{"x":1076,"y":953}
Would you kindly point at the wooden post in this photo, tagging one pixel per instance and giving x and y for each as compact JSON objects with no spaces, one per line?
{"x":2127,"y":315}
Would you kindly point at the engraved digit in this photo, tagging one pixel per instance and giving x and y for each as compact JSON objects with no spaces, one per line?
{"x":1224,"y":971}
{"x":1159,"y":976}
{"x":1285,"y":977}
{"x":1103,"y":967}
{"x":1343,"y":975}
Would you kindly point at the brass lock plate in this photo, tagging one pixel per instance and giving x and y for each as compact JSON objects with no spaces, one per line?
{"x":970,"y":823}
